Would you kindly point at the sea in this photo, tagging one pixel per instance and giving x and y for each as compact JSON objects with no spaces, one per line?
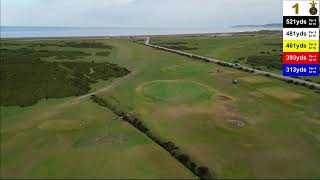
{"x":25,"y":32}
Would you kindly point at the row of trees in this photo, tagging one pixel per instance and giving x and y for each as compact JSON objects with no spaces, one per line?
{"x":301,"y":84}
{"x":201,"y":171}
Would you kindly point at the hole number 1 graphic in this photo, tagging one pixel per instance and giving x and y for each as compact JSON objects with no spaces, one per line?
{"x":296,"y":7}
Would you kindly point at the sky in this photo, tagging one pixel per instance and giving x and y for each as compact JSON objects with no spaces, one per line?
{"x":139,"y":13}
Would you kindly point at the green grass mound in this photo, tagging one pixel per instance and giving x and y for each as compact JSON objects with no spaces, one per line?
{"x":61,"y":125}
{"x":188,"y":68}
{"x":176,"y":91}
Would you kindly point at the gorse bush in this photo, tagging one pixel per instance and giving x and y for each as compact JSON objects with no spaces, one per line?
{"x":267,"y":61}
{"x":25,"y":79}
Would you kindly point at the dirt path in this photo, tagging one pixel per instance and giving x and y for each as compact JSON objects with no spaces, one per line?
{"x":53,"y":110}
{"x":105,"y":89}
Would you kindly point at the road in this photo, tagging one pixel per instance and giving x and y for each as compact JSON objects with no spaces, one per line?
{"x":237,"y":66}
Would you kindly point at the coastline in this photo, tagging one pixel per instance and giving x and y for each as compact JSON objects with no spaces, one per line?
{"x":218,"y":34}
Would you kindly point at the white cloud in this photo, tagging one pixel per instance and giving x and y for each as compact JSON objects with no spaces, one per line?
{"x":157,"y":13}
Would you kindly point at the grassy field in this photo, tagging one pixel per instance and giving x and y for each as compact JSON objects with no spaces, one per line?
{"x":259,"y":50}
{"x":259,"y":128}
{"x":74,"y":137}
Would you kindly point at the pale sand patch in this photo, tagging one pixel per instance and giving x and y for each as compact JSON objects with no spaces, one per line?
{"x":236,"y":122}
{"x":257,"y":94}
{"x":281,"y":93}
{"x":141,"y":86}
{"x":220,"y":114}
{"x":255,"y":79}
{"x":227,"y":116}
{"x":62,"y":125}
{"x":314,"y":121}
{"x":224,"y":98}
{"x":182,"y":111}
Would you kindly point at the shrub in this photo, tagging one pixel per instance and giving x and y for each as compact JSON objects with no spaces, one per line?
{"x":312,"y":87}
{"x":290,"y":81}
{"x":203,"y":172}
{"x":193,"y":166}
{"x":308,"y":79}
{"x":170,"y":146}
{"x":269,"y":61}
{"x":183,"y":158}
{"x":241,"y":58}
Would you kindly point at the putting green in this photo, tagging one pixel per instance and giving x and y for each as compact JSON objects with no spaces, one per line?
{"x":188,"y":68}
{"x":176,"y":91}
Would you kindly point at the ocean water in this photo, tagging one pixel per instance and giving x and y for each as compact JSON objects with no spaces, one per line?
{"x":20,"y":32}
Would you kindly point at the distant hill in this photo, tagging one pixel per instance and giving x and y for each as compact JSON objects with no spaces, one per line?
{"x":273,"y":25}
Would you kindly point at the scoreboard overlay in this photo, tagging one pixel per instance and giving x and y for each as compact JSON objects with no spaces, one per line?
{"x":301,"y":38}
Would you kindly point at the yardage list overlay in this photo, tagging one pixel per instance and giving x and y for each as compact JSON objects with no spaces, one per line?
{"x":300,"y":38}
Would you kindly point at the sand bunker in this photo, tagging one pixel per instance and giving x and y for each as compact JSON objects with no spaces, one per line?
{"x":236,"y":122}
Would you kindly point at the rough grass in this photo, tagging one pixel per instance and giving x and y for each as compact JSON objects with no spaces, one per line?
{"x":64,"y":44}
{"x":53,"y":135}
{"x":188,"y":69}
{"x":180,"y":47}
{"x":86,"y":45}
{"x":25,"y":78}
{"x":255,"y":80}
{"x":102,"y":53}
{"x":281,"y":93}
{"x":61,"y":125}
